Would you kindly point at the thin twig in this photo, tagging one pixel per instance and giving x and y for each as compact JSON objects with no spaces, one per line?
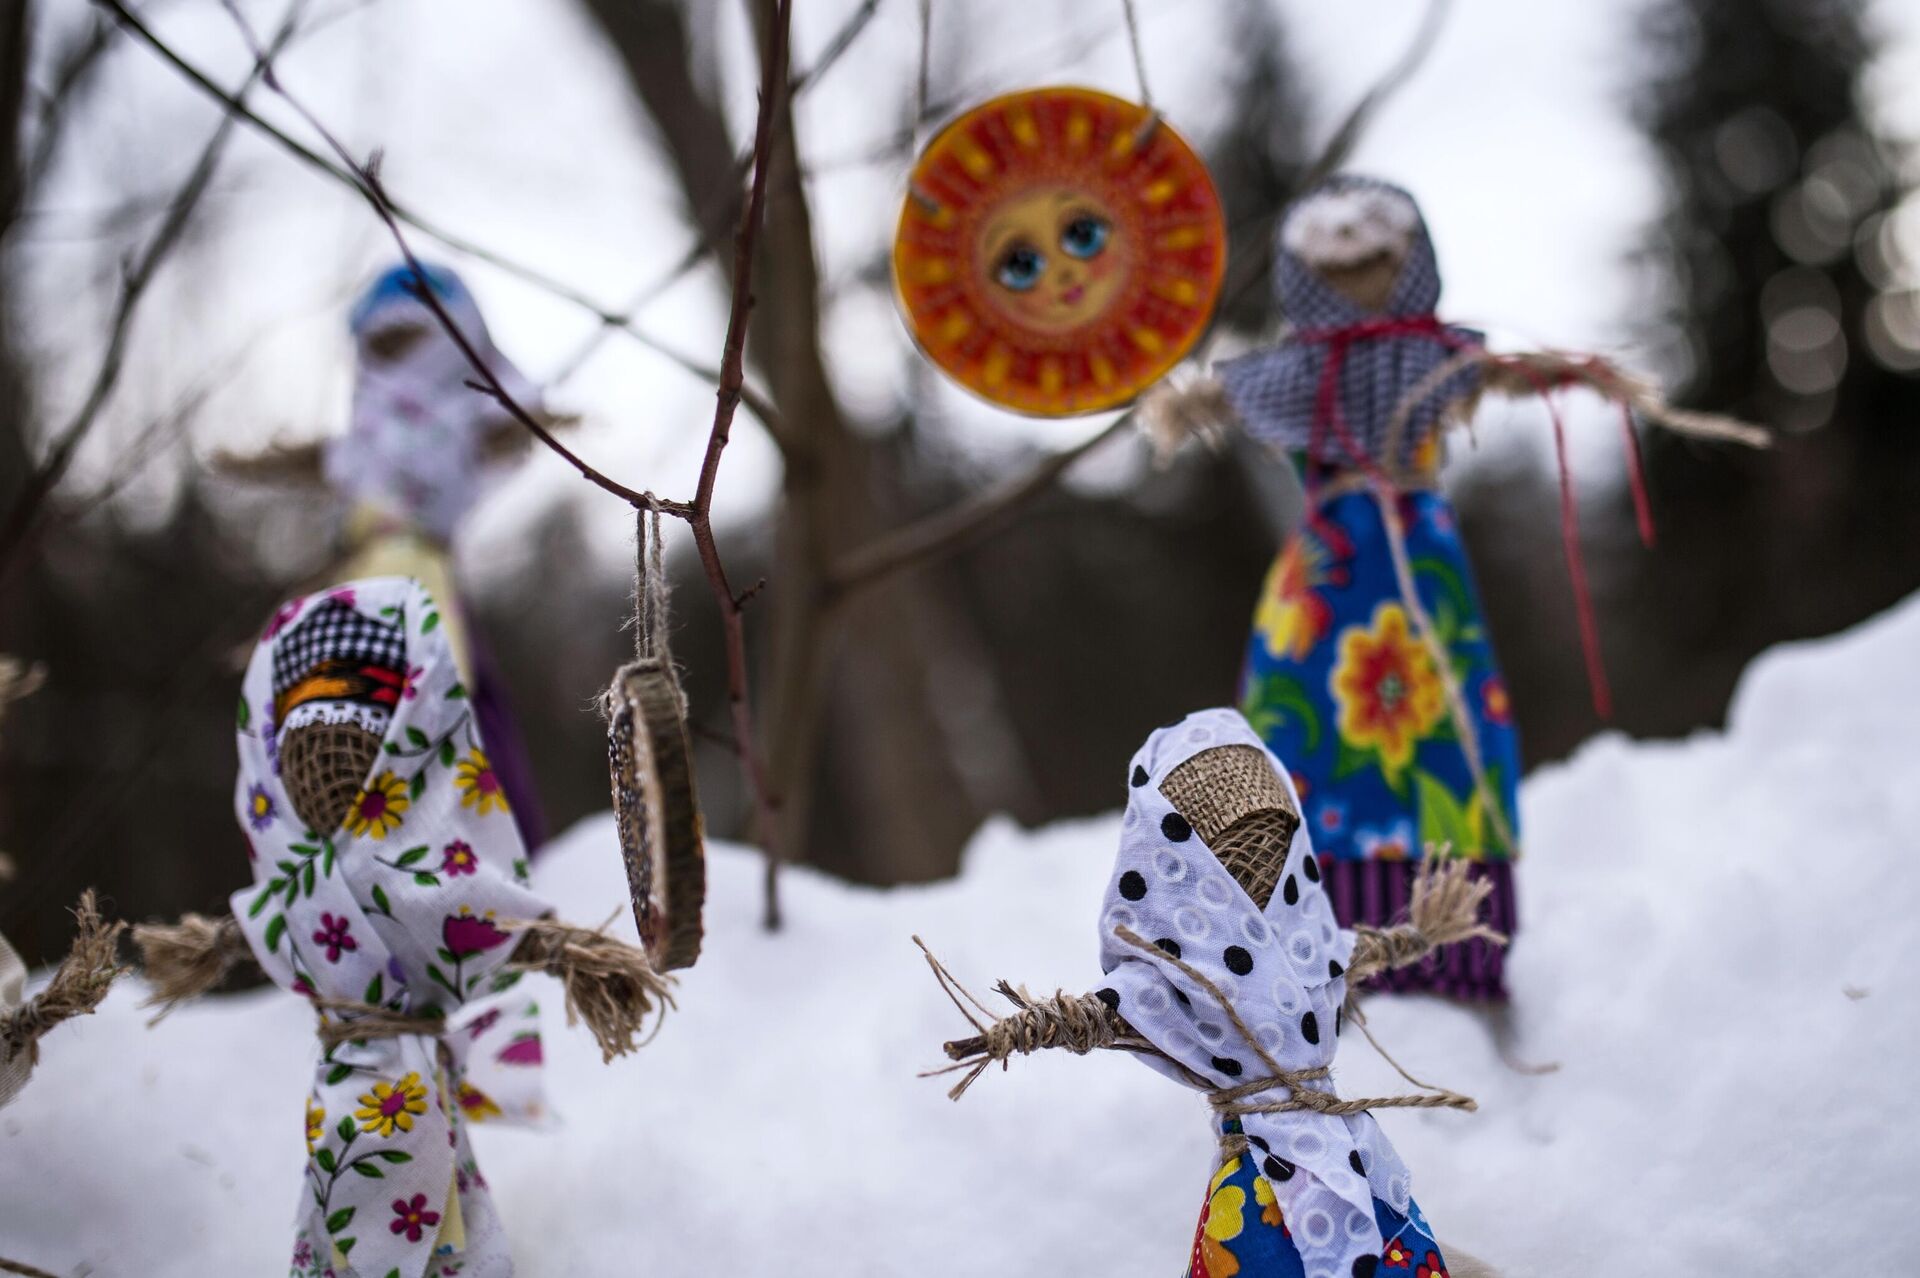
{"x":714,"y":228}
{"x":447,"y":239}
{"x":139,"y":274}
{"x":1347,"y":136}
{"x":941,"y":534}
{"x":773,"y":72}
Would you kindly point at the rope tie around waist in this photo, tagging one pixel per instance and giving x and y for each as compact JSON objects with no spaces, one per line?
{"x":1236,"y":1101}
{"x":363,"y":1021}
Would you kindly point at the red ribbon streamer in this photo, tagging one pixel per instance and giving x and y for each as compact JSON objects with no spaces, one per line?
{"x":1327,"y":418}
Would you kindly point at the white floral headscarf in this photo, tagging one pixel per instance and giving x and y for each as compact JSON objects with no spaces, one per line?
{"x":1282,"y":967}
{"x":400,"y":908}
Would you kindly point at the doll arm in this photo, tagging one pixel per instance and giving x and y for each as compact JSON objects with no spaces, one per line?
{"x":1080,"y":1023}
{"x":1537,"y":373}
{"x":609,"y":984}
{"x":78,"y":985}
{"x":1444,"y":910}
{"x":1170,"y":413}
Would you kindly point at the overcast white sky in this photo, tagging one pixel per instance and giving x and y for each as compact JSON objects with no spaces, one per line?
{"x":506,"y":121}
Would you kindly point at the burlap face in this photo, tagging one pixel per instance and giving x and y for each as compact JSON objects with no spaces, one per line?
{"x":1282,"y":966}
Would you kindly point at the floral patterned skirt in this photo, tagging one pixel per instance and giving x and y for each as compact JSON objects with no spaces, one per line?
{"x":1341,"y":686}
{"x":1242,"y":1234}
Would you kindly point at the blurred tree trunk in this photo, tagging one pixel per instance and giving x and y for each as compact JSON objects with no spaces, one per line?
{"x":906,"y":805}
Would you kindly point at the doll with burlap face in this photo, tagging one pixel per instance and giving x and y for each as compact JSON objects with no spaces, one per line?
{"x":1226,"y":971}
{"x":390,"y":891}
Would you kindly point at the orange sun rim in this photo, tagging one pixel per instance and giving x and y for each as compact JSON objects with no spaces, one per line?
{"x":1169,"y":236}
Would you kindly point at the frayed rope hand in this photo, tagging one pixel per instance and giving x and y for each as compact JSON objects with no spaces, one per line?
{"x":76,"y":989}
{"x":609,"y":984}
{"x":1444,"y":910}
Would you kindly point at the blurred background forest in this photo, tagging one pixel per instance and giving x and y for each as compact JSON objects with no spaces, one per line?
{"x":1756,"y":243}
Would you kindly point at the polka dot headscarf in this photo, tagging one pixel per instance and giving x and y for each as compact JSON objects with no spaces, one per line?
{"x":1283,"y":968}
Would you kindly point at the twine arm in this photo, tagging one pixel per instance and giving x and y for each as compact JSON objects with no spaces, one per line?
{"x":1444,"y":910}
{"x":1079,"y":1023}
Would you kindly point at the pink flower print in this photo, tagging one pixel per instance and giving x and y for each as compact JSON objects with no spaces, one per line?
{"x":284,"y":614}
{"x":302,"y":1254}
{"x":523,"y":1050}
{"x":302,"y":987}
{"x":343,"y":596}
{"x":334,"y":936}
{"x":465,"y":934}
{"x":484,"y":1022}
{"x":410,"y":1217}
{"x":458,"y":859}
{"x":411,"y":688}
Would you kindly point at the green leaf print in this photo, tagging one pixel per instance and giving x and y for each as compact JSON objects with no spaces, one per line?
{"x":338,"y":1074}
{"x":1444,"y":819}
{"x":446,"y":753}
{"x":323,"y":1158}
{"x":376,"y":989}
{"x":410,"y":856}
{"x":394,"y":1156}
{"x":339,"y":1220}
{"x":432,"y":621}
{"x":260,"y":902}
{"x":364,"y":1168}
{"x":456,"y":692}
{"x":276,"y":928}
{"x":245,"y":715}
{"x":1274,"y":698}
{"x":345,"y":1130}
{"x":380,"y":902}
{"x":417,"y":785}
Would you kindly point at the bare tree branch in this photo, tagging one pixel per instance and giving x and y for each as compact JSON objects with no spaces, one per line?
{"x":139,"y":274}
{"x":939,"y":535}
{"x":448,"y":239}
{"x":728,"y":396}
{"x":714,"y":225}
{"x":1345,"y":138}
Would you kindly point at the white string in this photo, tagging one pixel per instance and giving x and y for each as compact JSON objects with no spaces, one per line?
{"x":920,"y":85}
{"x":649,"y":583}
{"x":1139,"y":57}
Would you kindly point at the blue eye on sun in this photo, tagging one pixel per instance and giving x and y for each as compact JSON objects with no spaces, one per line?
{"x":1085,"y":236}
{"x":1020,"y":268}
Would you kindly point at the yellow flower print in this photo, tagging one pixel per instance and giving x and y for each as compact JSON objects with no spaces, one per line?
{"x":1226,"y":1217}
{"x":1269,"y":1202}
{"x":1387,"y":689}
{"x":391,"y":1106}
{"x":479,"y":784}
{"x":379,"y":807}
{"x":316,"y":1125}
{"x":476,"y":1104}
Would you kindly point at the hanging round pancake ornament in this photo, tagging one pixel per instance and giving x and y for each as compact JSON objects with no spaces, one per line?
{"x":1059,"y":250}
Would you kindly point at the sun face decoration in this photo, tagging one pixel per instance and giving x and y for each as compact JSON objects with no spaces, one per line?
{"x":1059,"y":251}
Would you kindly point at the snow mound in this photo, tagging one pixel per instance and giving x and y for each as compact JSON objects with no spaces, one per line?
{"x":1719,"y":952}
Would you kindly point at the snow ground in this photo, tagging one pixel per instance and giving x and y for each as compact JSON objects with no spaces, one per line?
{"x":1721,"y":953}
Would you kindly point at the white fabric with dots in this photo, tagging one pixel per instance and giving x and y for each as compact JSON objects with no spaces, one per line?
{"x":1281,"y":967}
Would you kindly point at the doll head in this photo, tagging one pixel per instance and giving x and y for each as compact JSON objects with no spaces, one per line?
{"x":1355,"y":247}
{"x":421,"y":437}
{"x":1239,"y":807}
{"x":1355,"y":238}
{"x":337,"y":677}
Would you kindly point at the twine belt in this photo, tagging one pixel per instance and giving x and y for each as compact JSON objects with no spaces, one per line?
{"x":370,"y":1022}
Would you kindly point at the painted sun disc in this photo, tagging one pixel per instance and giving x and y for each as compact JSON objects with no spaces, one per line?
{"x":1059,"y":250}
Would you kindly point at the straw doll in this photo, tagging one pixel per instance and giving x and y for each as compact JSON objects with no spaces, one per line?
{"x":1225,"y":971}
{"x":421,"y":449}
{"x":390,"y":890}
{"x":1370,"y":668}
